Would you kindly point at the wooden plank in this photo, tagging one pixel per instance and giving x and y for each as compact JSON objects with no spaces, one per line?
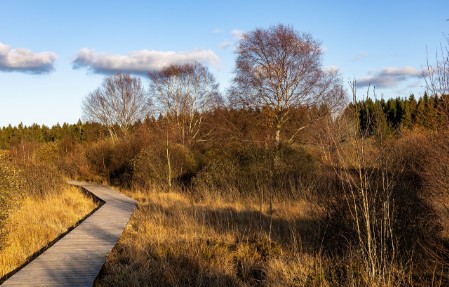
{"x":76,"y":259}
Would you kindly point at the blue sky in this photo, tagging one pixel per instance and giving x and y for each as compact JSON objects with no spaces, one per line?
{"x":54,"y":53}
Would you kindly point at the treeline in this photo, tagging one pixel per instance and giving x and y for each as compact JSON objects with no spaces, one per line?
{"x":222,"y":124}
{"x":12,"y":136}
{"x":392,"y":115}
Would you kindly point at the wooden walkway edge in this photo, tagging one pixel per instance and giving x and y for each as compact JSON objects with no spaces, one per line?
{"x":77,"y":258}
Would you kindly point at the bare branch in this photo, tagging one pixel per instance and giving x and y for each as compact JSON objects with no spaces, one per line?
{"x":436,"y":75}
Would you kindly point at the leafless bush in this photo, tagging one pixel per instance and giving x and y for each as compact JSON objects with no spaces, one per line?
{"x":369,"y":212}
{"x":219,"y":172}
{"x":67,"y":156}
{"x":113,"y":160}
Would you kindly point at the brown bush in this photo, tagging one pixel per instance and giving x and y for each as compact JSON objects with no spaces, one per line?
{"x":435,"y":174}
{"x":112,"y":160}
{"x":40,"y":179}
{"x":422,"y":159}
{"x":250,"y":171}
{"x":151,"y":166}
{"x":219,"y":171}
{"x":98,"y":156}
{"x":384,"y":207}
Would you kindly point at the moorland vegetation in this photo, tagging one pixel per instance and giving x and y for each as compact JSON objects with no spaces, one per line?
{"x":286,"y":182}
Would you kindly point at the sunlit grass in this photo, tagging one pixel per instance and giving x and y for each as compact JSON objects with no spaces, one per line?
{"x":179,"y":239}
{"x":174,"y":239}
{"x":39,"y":221}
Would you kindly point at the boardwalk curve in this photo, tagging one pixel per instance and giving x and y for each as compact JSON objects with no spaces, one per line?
{"x":76,"y":259}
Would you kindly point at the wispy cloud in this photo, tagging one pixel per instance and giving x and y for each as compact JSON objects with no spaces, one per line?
{"x":139,"y":62}
{"x":237,"y":35}
{"x":25,"y":60}
{"x":389,"y":77}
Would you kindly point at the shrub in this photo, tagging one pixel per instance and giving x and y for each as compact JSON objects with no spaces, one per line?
{"x":380,"y":212}
{"x":298,"y":173}
{"x":219,"y":171}
{"x":250,"y":170}
{"x":40,"y":179}
{"x":151,"y":166}
{"x":47,"y":153}
{"x":67,"y":156}
{"x":99,"y":157}
{"x":113,"y":161}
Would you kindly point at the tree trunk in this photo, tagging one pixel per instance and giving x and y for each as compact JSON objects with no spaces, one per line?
{"x":167,"y":153}
{"x":169,"y":170}
{"x":275,"y":172}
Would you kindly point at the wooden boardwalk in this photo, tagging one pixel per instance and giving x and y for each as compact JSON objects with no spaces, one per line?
{"x":76,"y":259}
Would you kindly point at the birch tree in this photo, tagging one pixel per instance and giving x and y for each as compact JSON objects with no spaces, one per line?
{"x":279,"y":69}
{"x":182,"y":94}
{"x":119,"y":102}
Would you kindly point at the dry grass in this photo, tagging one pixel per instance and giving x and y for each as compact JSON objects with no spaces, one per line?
{"x":39,"y":221}
{"x":174,"y":240}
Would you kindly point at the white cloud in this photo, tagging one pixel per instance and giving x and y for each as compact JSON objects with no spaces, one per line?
{"x":139,"y":62}
{"x":24,"y":60}
{"x":217,"y":31}
{"x":389,"y":77}
{"x":237,"y":34}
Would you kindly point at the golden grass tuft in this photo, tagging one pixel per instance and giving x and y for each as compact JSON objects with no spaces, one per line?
{"x":39,"y":221}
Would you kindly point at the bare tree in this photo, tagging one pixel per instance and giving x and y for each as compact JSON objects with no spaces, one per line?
{"x":118,"y":103}
{"x":183,"y":93}
{"x":436,"y":75}
{"x":280,"y":69}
